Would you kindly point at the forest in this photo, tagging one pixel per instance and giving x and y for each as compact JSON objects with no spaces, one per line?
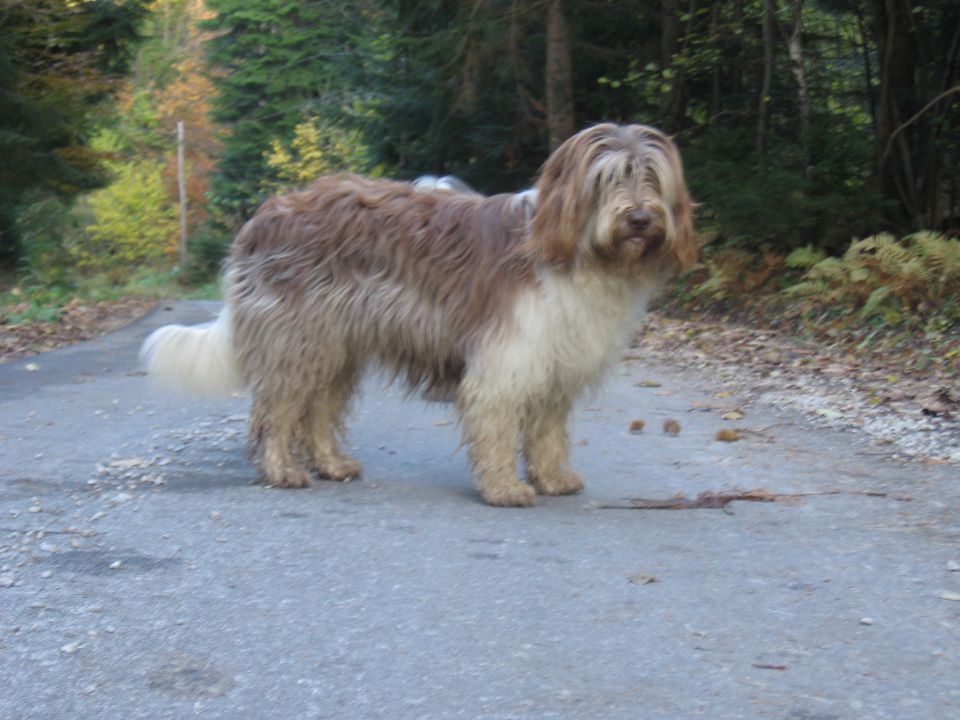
{"x":821,"y":139}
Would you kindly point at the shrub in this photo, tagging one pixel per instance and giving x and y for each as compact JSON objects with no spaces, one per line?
{"x":133,"y":221}
{"x":882,"y":276}
{"x":48,"y":226}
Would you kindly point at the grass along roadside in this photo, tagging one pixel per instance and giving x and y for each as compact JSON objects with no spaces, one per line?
{"x":37,"y":317}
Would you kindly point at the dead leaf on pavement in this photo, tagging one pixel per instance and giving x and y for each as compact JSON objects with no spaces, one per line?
{"x":727,"y":435}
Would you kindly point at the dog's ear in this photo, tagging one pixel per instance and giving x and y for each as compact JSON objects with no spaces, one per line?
{"x":553,"y":228}
{"x":686,"y":245}
{"x":562,"y":199}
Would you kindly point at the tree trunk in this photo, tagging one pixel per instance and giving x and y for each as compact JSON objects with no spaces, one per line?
{"x":561,"y":122}
{"x":867,"y":67}
{"x":795,"y":48}
{"x":763,"y":109}
{"x":669,"y":45}
{"x":894,"y":162}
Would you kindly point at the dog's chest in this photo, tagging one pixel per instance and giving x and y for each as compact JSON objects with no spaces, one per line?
{"x":568,"y":329}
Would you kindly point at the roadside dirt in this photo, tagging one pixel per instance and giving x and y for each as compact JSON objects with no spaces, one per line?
{"x":79,"y":321}
{"x":906,"y":413}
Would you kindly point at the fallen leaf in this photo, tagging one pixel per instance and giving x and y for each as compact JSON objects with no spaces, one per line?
{"x":764,"y":666}
{"x":671,"y":427}
{"x":641,"y":578}
{"x":727,"y":435}
{"x":637,"y":426}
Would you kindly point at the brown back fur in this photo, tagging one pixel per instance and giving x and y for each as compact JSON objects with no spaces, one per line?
{"x":376,"y":265}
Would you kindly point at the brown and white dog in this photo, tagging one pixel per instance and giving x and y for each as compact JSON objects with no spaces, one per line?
{"x":512,"y":305}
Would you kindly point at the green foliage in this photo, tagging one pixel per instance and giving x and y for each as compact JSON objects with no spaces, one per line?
{"x":883,"y":277}
{"x":133,"y":220}
{"x":804,"y":258}
{"x":58,"y":63}
{"x":207,"y":247}
{"x":49,"y":225}
{"x":277,"y":61}
{"x":318,"y":148}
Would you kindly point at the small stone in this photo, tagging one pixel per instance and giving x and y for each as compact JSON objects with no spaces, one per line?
{"x":31,"y":367}
{"x":7,"y":580}
{"x":46,"y":574}
{"x":866,"y":621}
{"x":115,"y":565}
{"x":953,"y":566}
{"x":70,"y":648}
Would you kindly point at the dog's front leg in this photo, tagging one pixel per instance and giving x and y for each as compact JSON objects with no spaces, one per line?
{"x":492,"y":431}
{"x":546,"y":447}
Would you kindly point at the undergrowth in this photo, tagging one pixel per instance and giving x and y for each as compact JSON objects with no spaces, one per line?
{"x":882,"y":294}
{"x":26,"y":298}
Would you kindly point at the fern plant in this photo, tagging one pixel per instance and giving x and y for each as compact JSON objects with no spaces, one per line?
{"x":881,"y":275}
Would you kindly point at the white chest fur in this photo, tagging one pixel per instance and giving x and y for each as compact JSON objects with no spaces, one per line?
{"x":566,"y":331}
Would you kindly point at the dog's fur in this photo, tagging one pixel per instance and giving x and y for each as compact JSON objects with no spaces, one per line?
{"x":512,"y":305}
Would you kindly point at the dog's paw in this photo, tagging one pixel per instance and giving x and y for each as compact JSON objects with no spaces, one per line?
{"x":565,"y":482}
{"x":345,"y":468}
{"x":289,"y":478}
{"x":515,"y":494}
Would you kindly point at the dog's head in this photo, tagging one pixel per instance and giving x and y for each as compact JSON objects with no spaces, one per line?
{"x":614,"y":195}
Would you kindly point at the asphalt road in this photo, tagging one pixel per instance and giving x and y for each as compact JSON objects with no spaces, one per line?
{"x":144,"y":573}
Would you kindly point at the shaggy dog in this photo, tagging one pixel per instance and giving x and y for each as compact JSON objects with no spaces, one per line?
{"x":511,"y":305}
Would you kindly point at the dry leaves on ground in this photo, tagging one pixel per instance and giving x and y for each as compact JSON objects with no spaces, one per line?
{"x":912,"y":407}
{"x":78,"y":321}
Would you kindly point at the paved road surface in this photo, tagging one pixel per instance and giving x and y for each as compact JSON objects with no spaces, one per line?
{"x":167,"y":584}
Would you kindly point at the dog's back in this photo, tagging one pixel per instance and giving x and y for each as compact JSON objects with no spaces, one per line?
{"x":408,"y":277}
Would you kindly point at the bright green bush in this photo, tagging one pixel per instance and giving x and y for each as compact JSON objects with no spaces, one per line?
{"x":133,"y":220}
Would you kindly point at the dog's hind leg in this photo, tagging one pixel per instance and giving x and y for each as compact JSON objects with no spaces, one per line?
{"x":328,"y":404}
{"x":275,"y":415}
{"x":546,"y":447}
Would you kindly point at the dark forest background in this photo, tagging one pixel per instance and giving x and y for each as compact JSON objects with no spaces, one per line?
{"x":807,"y":127}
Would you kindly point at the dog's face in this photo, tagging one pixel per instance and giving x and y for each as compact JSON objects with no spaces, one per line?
{"x":615,"y":195}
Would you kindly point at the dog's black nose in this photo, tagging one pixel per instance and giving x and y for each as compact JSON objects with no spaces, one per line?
{"x":639,"y":220}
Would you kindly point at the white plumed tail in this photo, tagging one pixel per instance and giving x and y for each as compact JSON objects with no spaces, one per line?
{"x":197,"y":359}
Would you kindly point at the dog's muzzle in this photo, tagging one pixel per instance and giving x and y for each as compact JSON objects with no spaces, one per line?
{"x":639,"y":233}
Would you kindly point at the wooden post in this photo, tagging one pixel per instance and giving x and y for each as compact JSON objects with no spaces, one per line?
{"x":182,"y":185}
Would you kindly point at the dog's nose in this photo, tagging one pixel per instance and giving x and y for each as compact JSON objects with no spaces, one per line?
{"x":639,"y":220}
